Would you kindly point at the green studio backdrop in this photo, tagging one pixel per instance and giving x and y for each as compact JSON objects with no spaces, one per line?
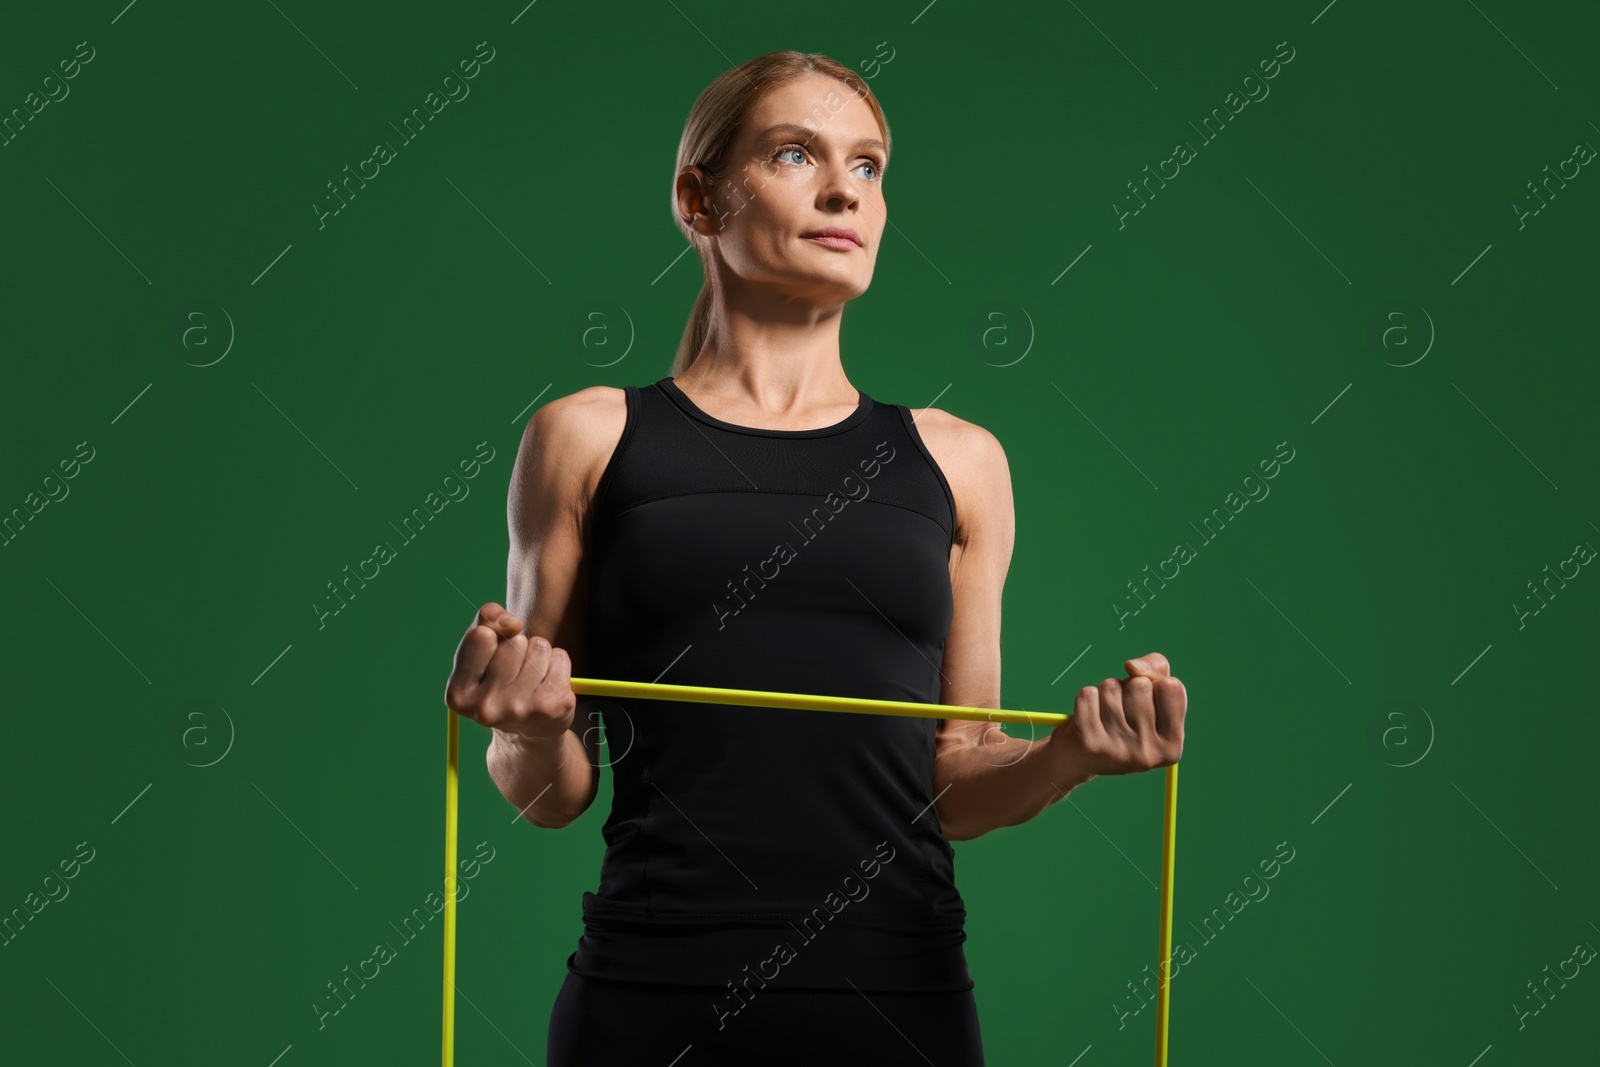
{"x":1158,"y":252}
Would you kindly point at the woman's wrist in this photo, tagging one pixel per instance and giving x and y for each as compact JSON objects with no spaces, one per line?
{"x":525,"y":743}
{"x":1070,"y":766}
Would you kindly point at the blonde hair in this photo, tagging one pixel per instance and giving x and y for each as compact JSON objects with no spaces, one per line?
{"x":708,"y":133}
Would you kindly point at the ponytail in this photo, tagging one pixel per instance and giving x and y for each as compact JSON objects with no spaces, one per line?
{"x":694,"y":335}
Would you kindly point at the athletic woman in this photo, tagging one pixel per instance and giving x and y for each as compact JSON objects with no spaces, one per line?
{"x":778,"y":884}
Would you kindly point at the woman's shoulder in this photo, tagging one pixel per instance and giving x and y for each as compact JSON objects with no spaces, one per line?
{"x":581,"y":421}
{"x":973,"y":463}
{"x":578,"y":410}
{"x":568,"y":440}
{"x":950,"y":437}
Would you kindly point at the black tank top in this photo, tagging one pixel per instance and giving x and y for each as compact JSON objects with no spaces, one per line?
{"x":755,"y":845}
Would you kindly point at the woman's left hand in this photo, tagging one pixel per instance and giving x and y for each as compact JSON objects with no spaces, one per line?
{"x":1127,"y":725}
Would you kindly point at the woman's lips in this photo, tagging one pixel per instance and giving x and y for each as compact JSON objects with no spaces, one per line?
{"x":843,"y":244}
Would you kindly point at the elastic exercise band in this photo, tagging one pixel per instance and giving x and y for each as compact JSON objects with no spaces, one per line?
{"x":760,"y":699}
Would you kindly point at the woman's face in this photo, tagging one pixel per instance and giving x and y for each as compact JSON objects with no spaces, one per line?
{"x":809,"y":157}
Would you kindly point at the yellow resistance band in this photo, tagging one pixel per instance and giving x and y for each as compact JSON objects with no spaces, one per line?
{"x":758,"y":699}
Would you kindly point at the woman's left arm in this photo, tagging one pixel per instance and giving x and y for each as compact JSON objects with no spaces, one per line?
{"x":984,"y":778}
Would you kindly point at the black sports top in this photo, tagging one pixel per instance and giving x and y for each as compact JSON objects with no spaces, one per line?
{"x":755,"y":845}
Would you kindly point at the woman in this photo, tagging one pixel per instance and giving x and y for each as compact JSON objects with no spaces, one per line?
{"x":778,"y":885}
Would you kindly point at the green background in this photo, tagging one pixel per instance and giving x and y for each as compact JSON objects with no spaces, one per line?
{"x":264,"y":796}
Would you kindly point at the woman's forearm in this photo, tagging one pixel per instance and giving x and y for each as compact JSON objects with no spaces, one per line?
{"x":550,"y":781}
{"x":996,"y":783}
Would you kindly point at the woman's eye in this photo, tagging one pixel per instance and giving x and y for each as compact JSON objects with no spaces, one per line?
{"x":877,"y":175}
{"x":784,"y":151}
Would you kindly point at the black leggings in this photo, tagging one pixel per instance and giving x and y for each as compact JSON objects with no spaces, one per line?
{"x":603,"y":1023}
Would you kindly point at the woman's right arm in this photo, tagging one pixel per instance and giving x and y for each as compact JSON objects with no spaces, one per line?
{"x":514,"y":665}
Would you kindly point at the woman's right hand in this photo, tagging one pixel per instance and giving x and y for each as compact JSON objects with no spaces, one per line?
{"x":505,"y":680}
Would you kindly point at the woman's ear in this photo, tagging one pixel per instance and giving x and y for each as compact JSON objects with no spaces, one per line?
{"x":694,"y":202}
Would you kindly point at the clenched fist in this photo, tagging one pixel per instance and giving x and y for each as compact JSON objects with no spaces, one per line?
{"x":505,"y":680}
{"x":1127,"y":725}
